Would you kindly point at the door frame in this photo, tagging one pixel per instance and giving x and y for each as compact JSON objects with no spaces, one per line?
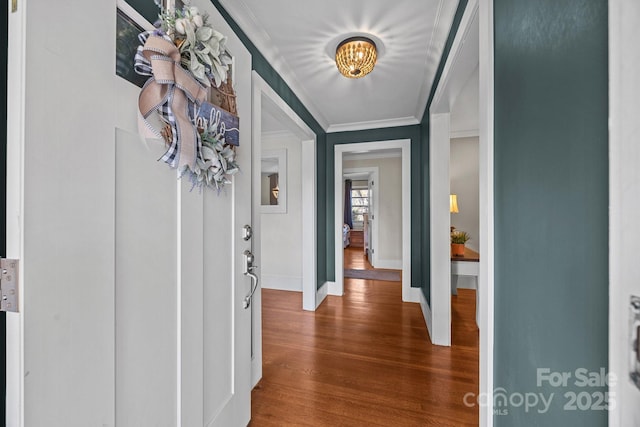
{"x":409,"y":294}
{"x":311,"y":297}
{"x":478,"y":13}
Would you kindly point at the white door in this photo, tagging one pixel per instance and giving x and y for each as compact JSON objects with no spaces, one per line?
{"x":132,"y":286}
{"x":371,"y":224}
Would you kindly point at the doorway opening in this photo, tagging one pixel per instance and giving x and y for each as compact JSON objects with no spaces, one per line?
{"x":344,"y":154}
{"x":284,"y":206}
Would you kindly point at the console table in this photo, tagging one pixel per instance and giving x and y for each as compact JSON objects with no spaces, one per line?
{"x":466,"y":265}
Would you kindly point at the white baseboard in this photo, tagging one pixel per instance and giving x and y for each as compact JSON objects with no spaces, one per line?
{"x":466,"y":282}
{"x":391,"y":264}
{"x":333,"y":289}
{"x":281,"y":283}
{"x":321,"y":294}
{"x":426,"y":313}
{"x":411,"y":295}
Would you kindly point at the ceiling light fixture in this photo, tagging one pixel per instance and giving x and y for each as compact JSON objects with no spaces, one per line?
{"x":356,"y":57}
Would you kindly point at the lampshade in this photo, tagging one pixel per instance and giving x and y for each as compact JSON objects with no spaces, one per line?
{"x":453,"y":203}
{"x":275,"y":191}
{"x":356,"y":57}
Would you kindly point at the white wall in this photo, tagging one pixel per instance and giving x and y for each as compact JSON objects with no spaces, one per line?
{"x":389,"y":247}
{"x":624,"y":270}
{"x":464,"y":174}
{"x":281,"y":238}
{"x":464,"y":113}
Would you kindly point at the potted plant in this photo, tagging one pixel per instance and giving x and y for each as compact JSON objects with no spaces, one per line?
{"x":458,"y":239}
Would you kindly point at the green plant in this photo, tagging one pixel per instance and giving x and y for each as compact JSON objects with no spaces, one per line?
{"x":460,"y":237}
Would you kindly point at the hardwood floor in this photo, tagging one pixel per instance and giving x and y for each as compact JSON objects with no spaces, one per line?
{"x":356,"y":258}
{"x":364,"y":359}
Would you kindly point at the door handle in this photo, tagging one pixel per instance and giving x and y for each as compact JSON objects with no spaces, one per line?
{"x":249,"y":259}
{"x":254,"y":281}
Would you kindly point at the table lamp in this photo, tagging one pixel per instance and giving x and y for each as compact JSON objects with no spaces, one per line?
{"x":453,"y":206}
{"x":453,"y":203}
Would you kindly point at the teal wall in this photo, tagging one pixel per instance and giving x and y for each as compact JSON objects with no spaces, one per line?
{"x":551,"y":198}
{"x":260,"y":64}
{"x":385,"y":134}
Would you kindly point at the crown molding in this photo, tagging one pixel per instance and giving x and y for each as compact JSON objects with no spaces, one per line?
{"x":247,"y":21}
{"x":374,"y":124}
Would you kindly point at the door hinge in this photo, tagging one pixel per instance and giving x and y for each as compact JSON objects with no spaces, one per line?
{"x":9,"y":285}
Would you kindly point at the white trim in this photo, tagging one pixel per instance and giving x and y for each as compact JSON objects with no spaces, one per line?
{"x":460,"y":64}
{"x":332,"y":289}
{"x":16,"y":98}
{"x":464,"y":133}
{"x":426,"y":313}
{"x":372,"y":155}
{"x":486,"y":153}
{"x":281,"y":283}
{"x":178,"y":372}
{"x":134,"y":15}
{"x":322,"y":293}
{"x":439,"y":221}
{"x":408,"y":295}
{"x":389,"y":264}
{"x":309,"y":237}
{"x":373,"y":124}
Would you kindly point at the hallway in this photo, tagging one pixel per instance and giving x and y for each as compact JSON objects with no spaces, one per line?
{"x":364,"y":359}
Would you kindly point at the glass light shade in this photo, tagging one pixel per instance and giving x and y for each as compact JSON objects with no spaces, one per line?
{"x":453,"y":203}
{"x":356,"y":57}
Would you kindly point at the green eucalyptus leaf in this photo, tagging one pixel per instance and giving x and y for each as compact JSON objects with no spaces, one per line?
{"x":208,"y":153}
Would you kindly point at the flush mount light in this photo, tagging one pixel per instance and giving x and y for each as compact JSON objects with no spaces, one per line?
{"x":356,"y":57}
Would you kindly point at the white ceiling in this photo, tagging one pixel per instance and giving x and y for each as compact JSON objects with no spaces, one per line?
{"x":299,"y":38}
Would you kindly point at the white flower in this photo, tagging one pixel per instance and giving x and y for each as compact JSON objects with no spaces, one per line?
{"x":193,"y":10}
{"x":198,"y":21}
{"x":181,"y":25}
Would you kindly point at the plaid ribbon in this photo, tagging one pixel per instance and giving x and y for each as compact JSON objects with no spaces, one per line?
{"x":171,"y":91}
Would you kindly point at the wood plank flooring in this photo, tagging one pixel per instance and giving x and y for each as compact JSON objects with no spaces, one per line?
{"x":364,"y":359}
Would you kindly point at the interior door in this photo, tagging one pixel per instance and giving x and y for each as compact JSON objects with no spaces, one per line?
{"x":371,"y":220}
{"x":132,"y":286}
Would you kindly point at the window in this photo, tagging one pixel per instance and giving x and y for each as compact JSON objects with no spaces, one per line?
{"x":359,"y":205}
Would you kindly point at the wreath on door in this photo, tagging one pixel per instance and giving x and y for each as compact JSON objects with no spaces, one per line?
{"x":188,"y":66}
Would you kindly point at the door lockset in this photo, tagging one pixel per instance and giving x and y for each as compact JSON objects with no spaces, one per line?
{"x":249,"y":259}
{"x":247,"y":232}
{"x":249,"y":266}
